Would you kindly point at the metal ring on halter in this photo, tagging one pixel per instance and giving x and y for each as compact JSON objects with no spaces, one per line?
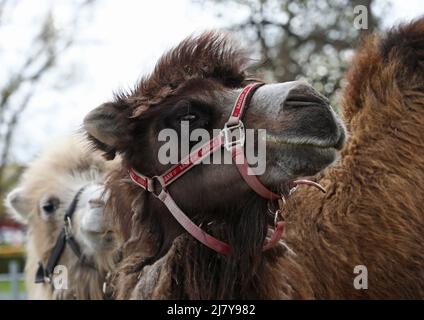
{"x":156,"y":181}
{"x":277,"y":216}
{"x":106,"y":283}
{"x":271,"y":210}
{"x":228,"y":142}
{"x":68,"y":227}
{"x":275,"y":213}
{"x":292,"y":190}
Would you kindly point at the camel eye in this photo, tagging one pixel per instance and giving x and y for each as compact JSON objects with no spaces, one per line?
{"x":195,"y":114}
{"x":189,"y":117}
{"x":50,"y":205}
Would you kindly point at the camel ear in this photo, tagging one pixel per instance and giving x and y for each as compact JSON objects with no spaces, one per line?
{"x":102,"y":124}
{"x":18,"y":206}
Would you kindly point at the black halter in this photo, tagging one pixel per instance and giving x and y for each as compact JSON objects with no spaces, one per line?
{"x":44,"y":274}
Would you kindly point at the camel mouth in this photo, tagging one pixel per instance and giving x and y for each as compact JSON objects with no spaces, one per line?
{"x":96,"y":233}
{"x":288,"y":160}
{"x":320,"y":144}
{"x":100,"y":240}
{"x":295,"y":99}
{"x":103,"y":235}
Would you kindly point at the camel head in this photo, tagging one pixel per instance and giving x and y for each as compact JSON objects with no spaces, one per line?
{"x":47,"y":212}
{"x":191,"y":92}
{"x":197,"y":84}
{"x":67,"y":174}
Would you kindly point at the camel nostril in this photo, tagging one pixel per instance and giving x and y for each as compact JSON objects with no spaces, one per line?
{"x":304,"y":95}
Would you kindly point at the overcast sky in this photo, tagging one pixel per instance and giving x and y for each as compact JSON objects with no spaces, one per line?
{"x":119,"y":42}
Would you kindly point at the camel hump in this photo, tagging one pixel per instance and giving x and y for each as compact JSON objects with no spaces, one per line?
{"x":405,"y":43}
{"x":385,"y":66}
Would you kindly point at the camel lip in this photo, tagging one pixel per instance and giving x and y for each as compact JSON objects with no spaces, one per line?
{"x":105,"y":239}
{"x":97,"y":233}
{"x":308,"y":143}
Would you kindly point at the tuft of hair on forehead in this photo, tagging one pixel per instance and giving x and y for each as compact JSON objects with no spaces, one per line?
{"x":210,"y":55}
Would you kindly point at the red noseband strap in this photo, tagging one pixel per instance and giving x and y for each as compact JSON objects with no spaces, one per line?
{"x":237,"y":150}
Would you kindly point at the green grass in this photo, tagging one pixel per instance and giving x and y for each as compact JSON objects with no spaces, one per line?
{"x":5,"y":286}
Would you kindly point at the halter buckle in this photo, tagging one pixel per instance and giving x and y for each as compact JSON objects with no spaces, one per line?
{"x":68,"y":227}
{"x":227,"y":132}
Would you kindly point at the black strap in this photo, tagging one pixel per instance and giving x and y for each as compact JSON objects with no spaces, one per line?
{"x":40,"y":275}
{"x":56,"y":253}
{"x":72,"y":207}
{"x":65,"y":236}
{"x":53,"y":259}
{"x":73,"y":244}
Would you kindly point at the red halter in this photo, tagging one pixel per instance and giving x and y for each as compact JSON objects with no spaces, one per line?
{"x":237,"y":151}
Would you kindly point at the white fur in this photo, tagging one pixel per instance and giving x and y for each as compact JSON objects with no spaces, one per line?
{"x":60,"y":172}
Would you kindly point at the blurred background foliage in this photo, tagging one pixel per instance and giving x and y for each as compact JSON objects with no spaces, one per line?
{"x":23,"y":80}
{"x":305,"y":39}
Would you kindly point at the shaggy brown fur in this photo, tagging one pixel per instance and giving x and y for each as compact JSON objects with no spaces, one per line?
{"x":152,"y":235}
{"x":210,"y":61}
{"x":373,"y":212}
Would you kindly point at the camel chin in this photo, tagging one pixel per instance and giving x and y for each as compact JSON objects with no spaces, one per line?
{"x":94,"y":229}
{"x":289,"y":160}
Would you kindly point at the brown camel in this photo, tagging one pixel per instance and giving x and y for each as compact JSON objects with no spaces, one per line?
{"x":373,"y":212}
{"x":199,"y":82}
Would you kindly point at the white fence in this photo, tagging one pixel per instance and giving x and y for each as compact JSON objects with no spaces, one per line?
{"x":13,"y":276}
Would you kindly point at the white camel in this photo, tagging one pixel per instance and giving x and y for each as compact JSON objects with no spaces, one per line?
{"x":60,"y":200}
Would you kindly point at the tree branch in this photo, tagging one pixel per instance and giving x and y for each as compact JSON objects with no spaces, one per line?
{"x":11,"y":127}
{"x":48,"y":45}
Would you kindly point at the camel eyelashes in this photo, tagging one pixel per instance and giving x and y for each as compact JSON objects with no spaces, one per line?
{"x":196,"y":113}
{"x":189,"y":117}
{"x":50,"y":205}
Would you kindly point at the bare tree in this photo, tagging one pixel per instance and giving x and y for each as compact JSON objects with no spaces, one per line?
{"x":309,"y":39}
{"x":21,"y":85}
